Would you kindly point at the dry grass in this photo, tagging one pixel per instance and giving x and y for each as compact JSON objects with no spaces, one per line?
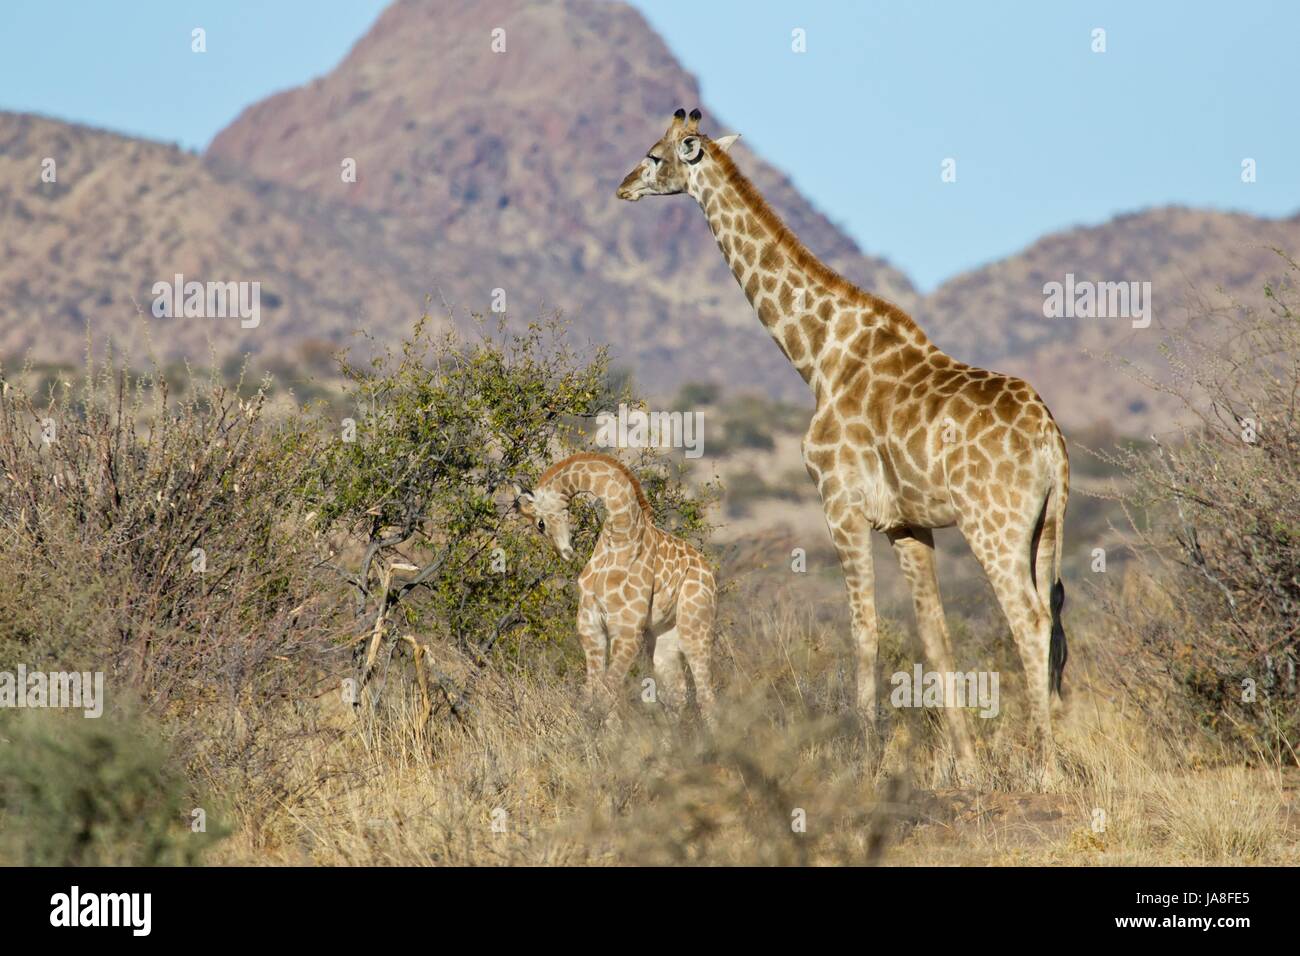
{"x":530,"y":778}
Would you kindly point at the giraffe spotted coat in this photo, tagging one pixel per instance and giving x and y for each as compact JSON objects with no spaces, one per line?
{"x":904,"y":439}
{"x":640,"y":581}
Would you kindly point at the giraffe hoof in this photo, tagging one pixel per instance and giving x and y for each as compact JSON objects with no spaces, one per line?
{"x":965,"y":774}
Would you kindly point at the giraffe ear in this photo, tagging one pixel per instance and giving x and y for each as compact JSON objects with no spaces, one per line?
{"x":689,"y":149}
{"x":724,"y":142}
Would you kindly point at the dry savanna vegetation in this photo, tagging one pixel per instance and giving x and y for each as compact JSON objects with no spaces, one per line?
{"x":327,"y":641}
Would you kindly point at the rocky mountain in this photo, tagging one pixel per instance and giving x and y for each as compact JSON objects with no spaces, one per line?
{"x":513,"y":143}
{"x":487,"y":137}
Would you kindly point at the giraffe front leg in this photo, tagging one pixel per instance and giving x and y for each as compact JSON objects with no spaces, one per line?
{"x":591,"y":634}
{"x":851,"y":536}
{"x":624,"y":641}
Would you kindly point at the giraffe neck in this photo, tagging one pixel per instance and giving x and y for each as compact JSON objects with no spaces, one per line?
{"x":806,"y":306}
{"x":627,"y":511}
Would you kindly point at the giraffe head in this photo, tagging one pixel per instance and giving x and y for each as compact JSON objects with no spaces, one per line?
{"x":668,"y":164}
{"x":548,"y":510}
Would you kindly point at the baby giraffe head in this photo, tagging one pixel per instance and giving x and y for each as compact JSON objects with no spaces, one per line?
{"x":668,"y":164}
{"x":548,"y":510}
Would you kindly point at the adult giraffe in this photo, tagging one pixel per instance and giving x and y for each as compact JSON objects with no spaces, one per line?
{"x":905,"y":439}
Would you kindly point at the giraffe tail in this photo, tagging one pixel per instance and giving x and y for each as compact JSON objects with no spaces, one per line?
{"x":1059,"y":651}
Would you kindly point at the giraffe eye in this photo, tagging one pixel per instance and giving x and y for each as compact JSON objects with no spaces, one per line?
{"x":654,"y":159}
{"x":541,"y":525}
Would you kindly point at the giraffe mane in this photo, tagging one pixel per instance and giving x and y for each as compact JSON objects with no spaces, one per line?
{"x":792,"y":246}
{"x":614,"y":463}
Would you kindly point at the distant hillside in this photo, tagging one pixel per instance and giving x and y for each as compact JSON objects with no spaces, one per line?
{"x":994,"y":316}
{"x":125,"y":213}
{"x":479,"y":171}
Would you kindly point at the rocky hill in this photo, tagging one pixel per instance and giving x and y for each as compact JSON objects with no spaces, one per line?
{"x":487,"y":139}
{"x":1196,"y":262}
{"x":122,"y":214}
{"x":518,"y":153}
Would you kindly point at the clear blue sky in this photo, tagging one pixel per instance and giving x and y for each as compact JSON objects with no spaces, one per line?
{"x":1046,"y":133}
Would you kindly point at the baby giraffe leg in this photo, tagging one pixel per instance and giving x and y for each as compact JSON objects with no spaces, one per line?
{"x":591,"y":634}
{"x":695,"y":635}
{"x":668,"y":669}
{"x":624,"y":641}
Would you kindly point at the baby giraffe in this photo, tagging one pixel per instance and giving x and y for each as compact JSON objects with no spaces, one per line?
{"x":639,"y":580}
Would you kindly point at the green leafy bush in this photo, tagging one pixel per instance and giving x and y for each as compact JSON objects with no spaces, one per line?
{"x":79,"y":792}
{"x":415,"y":492}
{"x":753,"y":422}
{"x":693,"y":395}
{"x":748,"y":487}
{"x":216,"y":555}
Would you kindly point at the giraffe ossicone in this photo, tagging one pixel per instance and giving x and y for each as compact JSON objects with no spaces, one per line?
{"x":904,"y":439}
{"x":640,"y":581}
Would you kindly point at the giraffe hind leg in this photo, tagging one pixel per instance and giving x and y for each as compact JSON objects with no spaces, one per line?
{"x":915,"y":551}
{"x":669,"y":679}
{"x":1007,"y":561}
{"x":695,"y":636}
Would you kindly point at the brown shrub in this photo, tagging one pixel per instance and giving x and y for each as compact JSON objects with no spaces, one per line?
{"x":1211,"y":629}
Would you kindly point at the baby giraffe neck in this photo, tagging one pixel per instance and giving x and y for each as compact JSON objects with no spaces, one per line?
{"x":627,"y":511}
